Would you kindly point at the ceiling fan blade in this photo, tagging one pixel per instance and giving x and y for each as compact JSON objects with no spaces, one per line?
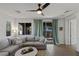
{"x":45,"y":5}
{"x":32,"y":10}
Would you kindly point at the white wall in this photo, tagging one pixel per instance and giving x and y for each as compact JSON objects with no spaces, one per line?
{"x":3,"y":25}
{"x":67,"y":39}
{"x":77,"y":45}
{"x":73,"y":32}
{"x":2,"y":28}
{"x":64,"y":35}
{"x":69,"y":35}
{"x":61,"y":33}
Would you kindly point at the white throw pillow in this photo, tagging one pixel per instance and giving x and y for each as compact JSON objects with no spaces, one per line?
{"x":18,"y":41}
{"x":42,"y":39}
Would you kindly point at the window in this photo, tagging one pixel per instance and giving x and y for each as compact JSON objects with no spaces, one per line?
{"x":24,"y":28}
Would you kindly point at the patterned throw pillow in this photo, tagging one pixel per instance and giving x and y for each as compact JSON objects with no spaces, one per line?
{"x":13,"y":42}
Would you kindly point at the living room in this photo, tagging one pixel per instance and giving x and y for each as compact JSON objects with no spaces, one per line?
{"x":21,"y":29}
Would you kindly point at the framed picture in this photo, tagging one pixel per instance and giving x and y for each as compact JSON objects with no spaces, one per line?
{"x":8,"y":28}
{"x":61,"y":28}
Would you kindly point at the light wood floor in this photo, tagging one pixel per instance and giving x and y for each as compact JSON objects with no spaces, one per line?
{"x":53,"y":50}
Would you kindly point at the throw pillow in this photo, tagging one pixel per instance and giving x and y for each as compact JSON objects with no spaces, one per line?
{"x":18,"y":41}
{"x":42,"y":39}
{"x":10,"y":41}
{"x":13,"y":42}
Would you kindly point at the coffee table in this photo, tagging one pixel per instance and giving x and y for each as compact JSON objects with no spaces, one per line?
{"x":32,"y":53}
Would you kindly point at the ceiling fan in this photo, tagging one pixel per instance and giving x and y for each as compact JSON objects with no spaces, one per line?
{"x":40,"y":8}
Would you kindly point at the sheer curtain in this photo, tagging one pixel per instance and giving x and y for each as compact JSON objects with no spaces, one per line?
{"x":38,"y":28}
{"x":55,"y":30}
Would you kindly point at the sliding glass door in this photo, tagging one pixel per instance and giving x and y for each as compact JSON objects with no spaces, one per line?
{"x":47,"y":31}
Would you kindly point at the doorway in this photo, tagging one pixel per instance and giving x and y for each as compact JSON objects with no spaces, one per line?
{"x":73,"y":32}
{"x":47,"y":32}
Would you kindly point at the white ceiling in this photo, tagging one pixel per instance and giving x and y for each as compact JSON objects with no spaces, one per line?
{"x":53,"y":10}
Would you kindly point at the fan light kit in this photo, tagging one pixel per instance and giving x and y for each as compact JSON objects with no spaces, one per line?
{"x":39,"y":12}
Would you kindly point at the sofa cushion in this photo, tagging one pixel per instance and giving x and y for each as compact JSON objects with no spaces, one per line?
{"x":30,"y":38}
{"x":39,"y":43}
{"x":33,"y":43}
{"x":11,"y":48}
{"x":23,"y":39}
{"x":18,"y":41}
{"x":28,"y":43}
{"x":3,"y":53}
{"x":3,"y":43}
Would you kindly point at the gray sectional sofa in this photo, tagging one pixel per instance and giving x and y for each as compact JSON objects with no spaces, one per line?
{"x":6,"y":48}
{"x":9,"y":46}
